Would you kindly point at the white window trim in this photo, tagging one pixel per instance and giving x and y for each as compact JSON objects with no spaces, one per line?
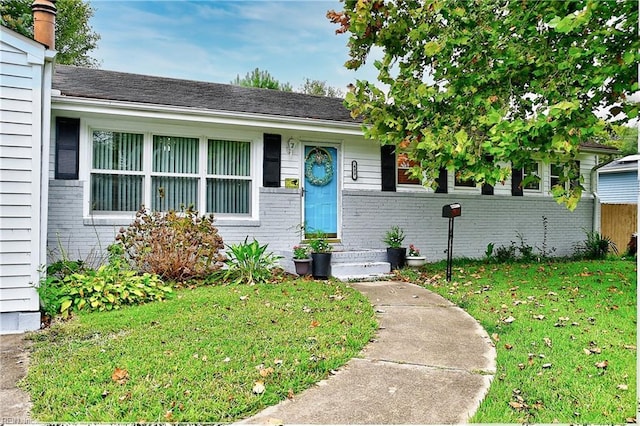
{"x":204,"y":133}
{"x":540,"y":180}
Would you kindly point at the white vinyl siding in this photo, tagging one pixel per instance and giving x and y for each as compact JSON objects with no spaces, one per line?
{"x":22,"y":91}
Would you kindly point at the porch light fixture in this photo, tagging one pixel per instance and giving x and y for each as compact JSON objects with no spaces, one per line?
{"x":291,"y":145}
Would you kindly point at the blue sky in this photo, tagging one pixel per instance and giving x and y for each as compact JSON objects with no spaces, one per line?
{"x":214,"y":40}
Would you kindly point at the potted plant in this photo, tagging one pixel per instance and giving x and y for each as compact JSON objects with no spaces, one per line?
{"x":414,"y":258}
{"x":396,"y":254}
{"x":320,"y":255}
{"x":301,"y":260}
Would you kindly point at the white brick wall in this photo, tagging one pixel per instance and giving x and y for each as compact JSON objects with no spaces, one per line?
{"x":368,"y":214}
{"x":366,"y":217}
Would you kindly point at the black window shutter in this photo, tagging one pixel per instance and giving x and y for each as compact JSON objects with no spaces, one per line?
{"x":442,"y":181}
{"x":516,"y":183}
{"x":271,"y":161}
{"x":486,"y":188}
{"x":388,"y":163}
{"x":67,"y":148}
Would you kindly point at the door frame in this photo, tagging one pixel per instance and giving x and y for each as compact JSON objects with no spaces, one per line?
{"x":338,"y":145}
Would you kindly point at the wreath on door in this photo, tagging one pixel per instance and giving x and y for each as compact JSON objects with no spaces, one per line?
{"x":320,"y":157}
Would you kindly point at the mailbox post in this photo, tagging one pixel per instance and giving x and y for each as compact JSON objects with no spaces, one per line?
{"x":451,"y":211}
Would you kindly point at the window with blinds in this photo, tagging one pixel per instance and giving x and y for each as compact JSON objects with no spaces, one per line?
{"x":228,"y":182}
{"x":117,"y":177}
{"x":206,"y":174}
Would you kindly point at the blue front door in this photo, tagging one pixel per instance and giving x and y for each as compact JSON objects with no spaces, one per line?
{"x":321,"y":170}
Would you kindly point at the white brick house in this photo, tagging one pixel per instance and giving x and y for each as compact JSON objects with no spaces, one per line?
{"x":99,"y":144}
{"x":164,"y":142}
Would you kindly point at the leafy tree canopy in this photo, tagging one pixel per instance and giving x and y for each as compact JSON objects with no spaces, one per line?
{"x":625,"y":139}
{"x":75,"y":38}
{"x":319,"y":88}
{"x":475,"y":85}
{"x":261,"y":79}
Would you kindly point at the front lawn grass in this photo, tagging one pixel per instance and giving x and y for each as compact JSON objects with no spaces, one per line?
{"x":210,"y":354}
{"x":565,"y":335}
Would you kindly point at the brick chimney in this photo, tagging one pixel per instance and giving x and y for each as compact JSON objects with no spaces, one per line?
{"x":44,"y":22}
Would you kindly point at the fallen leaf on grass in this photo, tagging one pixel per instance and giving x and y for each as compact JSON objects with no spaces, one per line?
{"x":509,"y":320}
{"x":517,"y":405}
{"x":290,"y":394}
{"x":538,"y":317}
{"x":120,"y":376}
{"x":548,"y":365}
{"x":266,"y":371}
{"x":630,"y":347}
{"x":508,"y":347}
{"x":258,"y":388}
{"x":622,"y":387}
{"x":547,"y":341}
{"x":314,"y":324}
{"x":495,"y":337}
{"x":125,"y":397}
{"x":603,"y":364}
{"x":168,"y":415}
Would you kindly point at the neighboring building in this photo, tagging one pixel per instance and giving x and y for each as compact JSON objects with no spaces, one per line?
{"x":617,"y":192}
{"x":123,"y":140}
{"x":25,"y":82}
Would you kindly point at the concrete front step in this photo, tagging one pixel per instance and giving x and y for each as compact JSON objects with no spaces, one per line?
{"x":351,"y":264}
{"x":356,"y":256}
{"x":359,"y":270}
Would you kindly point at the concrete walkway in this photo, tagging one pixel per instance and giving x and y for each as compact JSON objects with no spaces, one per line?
{"x":431,"y":363}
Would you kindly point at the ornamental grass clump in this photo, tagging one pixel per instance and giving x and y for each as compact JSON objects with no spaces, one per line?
{"x":175,"y":245}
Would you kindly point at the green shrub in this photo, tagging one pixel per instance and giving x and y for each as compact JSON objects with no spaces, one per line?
{"x":70,"y":287}
{"x":249,"y":263}
{"x":110,"y":286}
{"x":506,"y":253}
{"x":52,"y":285}
{"x":176,"y":246}
{"x":596,"y":246}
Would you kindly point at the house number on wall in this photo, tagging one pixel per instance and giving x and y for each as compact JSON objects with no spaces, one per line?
{"x":354,"y":170}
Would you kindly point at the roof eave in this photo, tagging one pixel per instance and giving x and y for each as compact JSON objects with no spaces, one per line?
{"x":71,"y":103}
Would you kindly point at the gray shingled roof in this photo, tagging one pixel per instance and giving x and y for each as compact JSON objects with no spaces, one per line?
{"x":117,"y":86}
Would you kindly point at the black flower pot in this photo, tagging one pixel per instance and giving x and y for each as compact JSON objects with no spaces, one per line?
{"x":321,"y":265}
{"x":396,"y":257}
{"x":303,"y":266}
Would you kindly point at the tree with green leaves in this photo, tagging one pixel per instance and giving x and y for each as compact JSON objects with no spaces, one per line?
{"x":261,"y":79}
{"x":481,"y":87}
{"x":319,"y":88}
{"x":75,"y":38}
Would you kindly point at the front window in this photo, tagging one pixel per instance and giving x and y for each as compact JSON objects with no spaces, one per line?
{"x":531,"y":170}
{"x":404,"y":174}
{"x":556,"y":172}
{"x":117,"y":176}
{"x":464,"y":183}
{"x":207,"y":174}
{"x":174,"y":178}
{"x":228,"y":182}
